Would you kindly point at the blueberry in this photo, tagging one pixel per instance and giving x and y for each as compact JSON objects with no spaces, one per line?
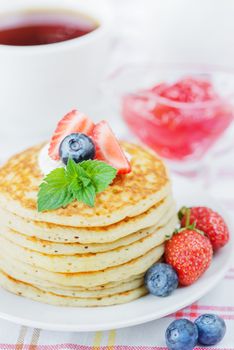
{"x":211,"y":329}
{"x":181,"y":335}
{"x":78,"y":147}
{"x":161,"y":279}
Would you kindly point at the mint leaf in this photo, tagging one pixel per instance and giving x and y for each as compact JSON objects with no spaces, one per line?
{"x":74,"y":171}
{"x":101,"y":173}
{"x":75,"y":185}
{"x":53,"y":192}
{"x":86,"y":195}
{"x":80,"y":181}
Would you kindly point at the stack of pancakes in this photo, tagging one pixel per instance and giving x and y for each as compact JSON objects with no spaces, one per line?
{"x":78,"y":255}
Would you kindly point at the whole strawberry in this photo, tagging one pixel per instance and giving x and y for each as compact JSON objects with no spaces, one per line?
{"x":189,"y":252}
{"x":208,"y":221}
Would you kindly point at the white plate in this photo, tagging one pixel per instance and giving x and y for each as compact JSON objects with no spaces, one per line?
{"x":23,"y":311}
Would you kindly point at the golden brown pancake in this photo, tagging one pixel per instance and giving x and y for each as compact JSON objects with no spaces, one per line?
{"x":129,"y":195}
{"x":24,"y":289}
{"x":57,"y":248}
{"x":90,"y":278}
{"x":90,"y":261}
{"x":157,"y":215}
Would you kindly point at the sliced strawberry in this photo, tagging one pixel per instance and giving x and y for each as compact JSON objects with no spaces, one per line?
{"x":72,"y":122}
{"x":108,"y":149}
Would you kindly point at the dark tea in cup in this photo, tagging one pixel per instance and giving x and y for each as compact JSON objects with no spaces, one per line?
{"x":43,"y":27}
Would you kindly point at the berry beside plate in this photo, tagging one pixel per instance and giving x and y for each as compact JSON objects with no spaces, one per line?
{"x":182,"y":334}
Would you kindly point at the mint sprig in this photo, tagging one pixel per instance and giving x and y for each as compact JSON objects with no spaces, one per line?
{"x":77,"y":181}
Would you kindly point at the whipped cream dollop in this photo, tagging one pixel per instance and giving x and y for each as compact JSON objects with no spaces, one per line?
{"x":46,"y":164}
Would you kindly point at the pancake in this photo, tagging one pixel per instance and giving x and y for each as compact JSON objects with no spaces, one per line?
{"x":123,"y":287}
{"x":129,"y":195}
{"x":91,"y":261}
{"x":12,"y":269}
{"x":53,"y":248}
{"x":87,"y":235}
{"x":90,"y":279}
{"x":31,"y":292}
{"x":101,"y":291}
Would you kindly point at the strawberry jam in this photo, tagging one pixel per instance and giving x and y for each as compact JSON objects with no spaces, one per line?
{"x":179,"y":121}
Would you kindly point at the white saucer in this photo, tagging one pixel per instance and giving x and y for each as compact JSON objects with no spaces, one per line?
{"x":23,"y":311}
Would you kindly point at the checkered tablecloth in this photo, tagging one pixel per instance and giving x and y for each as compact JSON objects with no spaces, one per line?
{"x":149,"y":336}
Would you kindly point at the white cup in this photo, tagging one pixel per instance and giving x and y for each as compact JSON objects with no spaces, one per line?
{"x":39,"y":84}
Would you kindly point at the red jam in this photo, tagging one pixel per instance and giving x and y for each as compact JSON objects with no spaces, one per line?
{"x":179,"y":121}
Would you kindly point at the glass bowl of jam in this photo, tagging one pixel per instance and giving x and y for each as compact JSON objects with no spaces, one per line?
{"x":180,"y":111}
